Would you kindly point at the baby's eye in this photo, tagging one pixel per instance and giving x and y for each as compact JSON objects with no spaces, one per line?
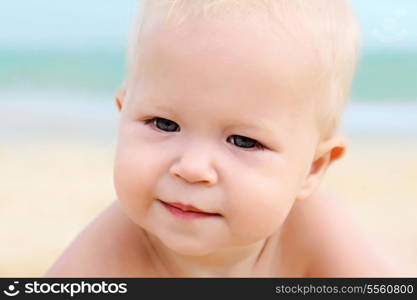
{"x":245,"y":142}
{"x":238,"y":140}
{"x":163,"y":124}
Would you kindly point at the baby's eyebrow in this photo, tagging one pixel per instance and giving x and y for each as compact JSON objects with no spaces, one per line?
{"x":163,"y":108}
{"x":259,"y":125}
{"x":151,"y":104}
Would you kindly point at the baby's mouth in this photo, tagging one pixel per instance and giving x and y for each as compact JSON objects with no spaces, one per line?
{"x":186,"y":209}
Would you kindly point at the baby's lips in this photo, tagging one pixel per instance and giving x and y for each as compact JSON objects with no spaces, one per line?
{"x":186,"y":207}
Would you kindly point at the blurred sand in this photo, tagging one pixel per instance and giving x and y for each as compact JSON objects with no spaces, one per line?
{"x":378,"y":181}
{"x":47,"y":194}
{"x":52,"y":186}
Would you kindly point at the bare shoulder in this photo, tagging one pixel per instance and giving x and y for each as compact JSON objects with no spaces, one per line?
{"x":337,"y":247}
{"x":110,"y":246}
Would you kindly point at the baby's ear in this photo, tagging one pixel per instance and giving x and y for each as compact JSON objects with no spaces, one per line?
{"x":327,"y":152}
{"x":120,"y":96}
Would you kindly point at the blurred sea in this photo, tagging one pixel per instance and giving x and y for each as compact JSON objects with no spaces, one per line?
{"x":94,"y":70}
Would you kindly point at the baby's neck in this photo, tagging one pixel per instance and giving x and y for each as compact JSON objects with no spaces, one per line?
{"x":248,"y":261}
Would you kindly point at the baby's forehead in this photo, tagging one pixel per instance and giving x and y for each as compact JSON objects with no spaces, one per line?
{"x":246,"y":45}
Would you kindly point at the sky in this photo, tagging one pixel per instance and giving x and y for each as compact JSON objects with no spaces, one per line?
{"x":387,"y":24}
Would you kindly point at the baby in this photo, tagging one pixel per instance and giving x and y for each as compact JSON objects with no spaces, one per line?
{"x":228,"y":122}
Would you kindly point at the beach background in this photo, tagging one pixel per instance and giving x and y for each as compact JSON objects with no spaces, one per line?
{"x":60,"y":66}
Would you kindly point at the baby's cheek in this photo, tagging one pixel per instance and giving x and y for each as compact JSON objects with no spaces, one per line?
{"x":134,"y":180}
{"x":260,"y":209}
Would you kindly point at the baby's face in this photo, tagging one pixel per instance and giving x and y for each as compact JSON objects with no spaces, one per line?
{"x":216,"y":118}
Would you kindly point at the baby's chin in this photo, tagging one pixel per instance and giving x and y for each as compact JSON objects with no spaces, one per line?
{"x":190,"y":246}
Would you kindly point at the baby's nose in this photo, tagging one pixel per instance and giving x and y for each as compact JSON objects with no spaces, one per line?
{"x":195,"y":166}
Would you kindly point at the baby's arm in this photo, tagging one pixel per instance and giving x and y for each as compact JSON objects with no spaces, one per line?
{"x":339,"y":247}
{"x":110,"y":246}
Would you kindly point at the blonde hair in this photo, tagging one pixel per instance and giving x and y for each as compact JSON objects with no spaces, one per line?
{"x":331,"y":24}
